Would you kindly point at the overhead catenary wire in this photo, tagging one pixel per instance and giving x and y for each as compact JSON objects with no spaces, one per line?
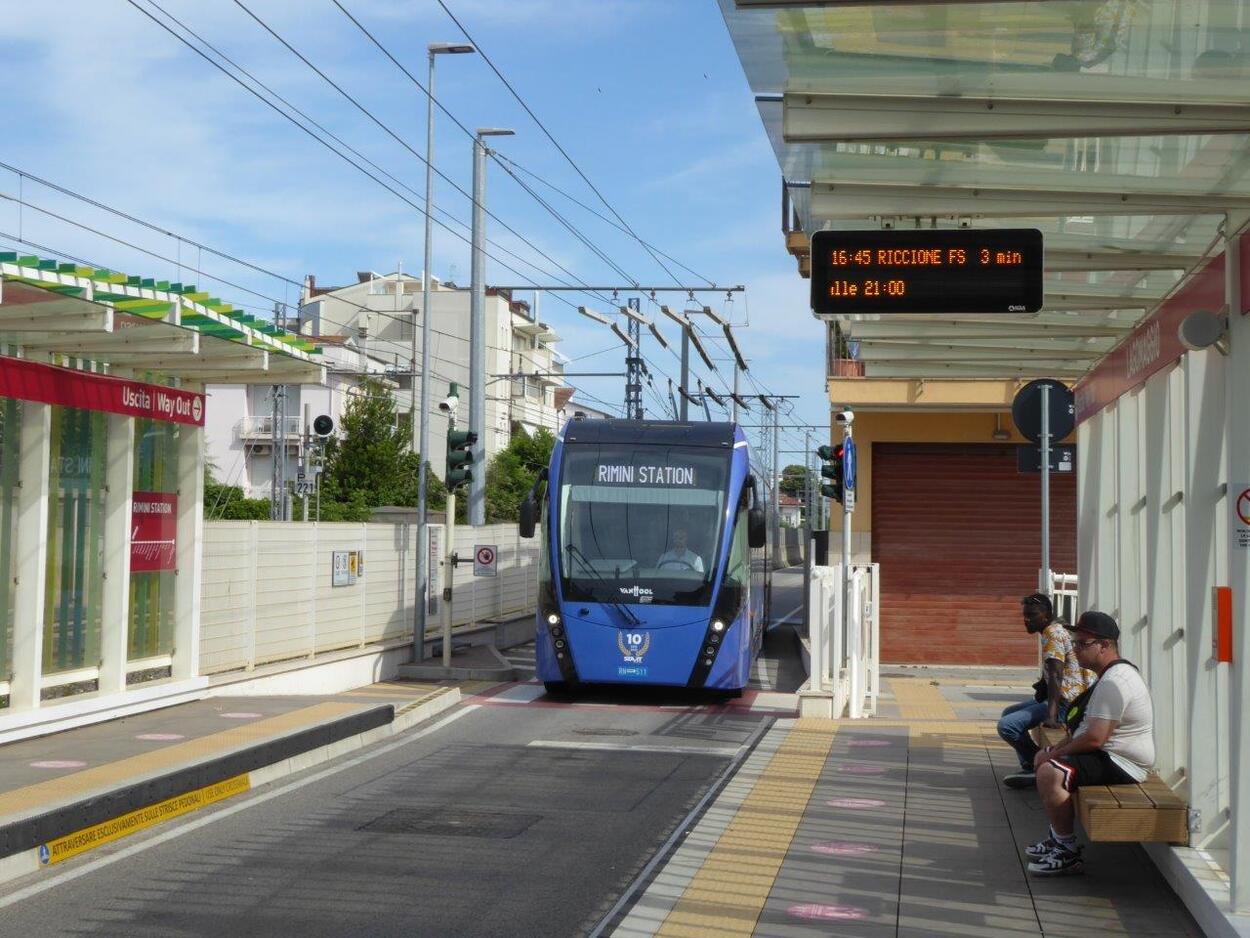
{"x":541,"y":126}
{"x":326,"y":144}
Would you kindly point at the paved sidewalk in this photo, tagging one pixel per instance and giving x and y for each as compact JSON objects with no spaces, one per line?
{"x":66,"y":792}
{"x":895,"y":826}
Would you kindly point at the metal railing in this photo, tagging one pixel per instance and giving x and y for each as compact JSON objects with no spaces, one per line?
{"x":262,"y":426}
{"x":846,"y":650}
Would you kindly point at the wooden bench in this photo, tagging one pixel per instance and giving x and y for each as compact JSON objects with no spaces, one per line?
{"x":1146,"y":812}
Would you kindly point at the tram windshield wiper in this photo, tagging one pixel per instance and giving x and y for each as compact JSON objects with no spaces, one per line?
{"x":630,"y":616}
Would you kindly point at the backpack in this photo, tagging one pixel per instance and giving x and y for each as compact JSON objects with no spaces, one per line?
{"x":1076,"y":710}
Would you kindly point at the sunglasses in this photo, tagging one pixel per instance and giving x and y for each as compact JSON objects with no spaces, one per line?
{"x":1085,"y":643}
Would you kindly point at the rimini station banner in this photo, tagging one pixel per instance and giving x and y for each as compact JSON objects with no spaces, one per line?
{"x":46,"y":384}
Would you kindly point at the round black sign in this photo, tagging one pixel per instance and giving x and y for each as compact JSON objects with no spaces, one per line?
{"x":1026,"y":410}
{"x":323,"y":425}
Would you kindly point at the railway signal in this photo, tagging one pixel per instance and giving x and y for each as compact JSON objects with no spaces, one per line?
{"x":459,"y":458}
{"x":831,"y":471}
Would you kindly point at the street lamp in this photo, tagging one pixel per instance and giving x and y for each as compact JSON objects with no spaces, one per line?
{"x":421,"y":442}
{"x":477,"y":322}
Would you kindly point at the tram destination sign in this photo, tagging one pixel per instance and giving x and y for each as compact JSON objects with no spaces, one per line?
{"x":929,"y":270}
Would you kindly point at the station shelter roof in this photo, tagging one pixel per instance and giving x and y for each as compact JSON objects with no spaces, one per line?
{"x":174,"y":330}
{"x":1116,"y":127}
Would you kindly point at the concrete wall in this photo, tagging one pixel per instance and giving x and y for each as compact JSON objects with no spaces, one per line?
{"x":268,"y":591}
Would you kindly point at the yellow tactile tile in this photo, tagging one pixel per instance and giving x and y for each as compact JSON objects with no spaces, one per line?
{"x":110,"y":775}
{"x":728,"y":893}
{"x":919,"y":699}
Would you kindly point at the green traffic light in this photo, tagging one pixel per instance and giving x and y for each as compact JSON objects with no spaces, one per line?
{"x":826,"y":453}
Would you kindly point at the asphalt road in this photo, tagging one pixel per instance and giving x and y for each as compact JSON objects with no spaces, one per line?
{"x":494,"y":819}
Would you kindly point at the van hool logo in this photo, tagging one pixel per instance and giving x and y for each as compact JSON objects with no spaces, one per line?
{"x":635,"y":591}
{"x":633,"y":645}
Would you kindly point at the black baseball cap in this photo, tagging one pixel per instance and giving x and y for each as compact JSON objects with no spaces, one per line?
{"x":1038,"y":599}
{"x":1098,"y":624}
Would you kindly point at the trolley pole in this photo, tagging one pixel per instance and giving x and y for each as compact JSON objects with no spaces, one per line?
{"x":685,"y":373}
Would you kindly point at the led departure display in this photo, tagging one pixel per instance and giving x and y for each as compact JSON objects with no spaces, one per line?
{"x":927,"y":271}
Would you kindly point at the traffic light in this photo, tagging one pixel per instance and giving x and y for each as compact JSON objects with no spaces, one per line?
{"x":832,"y":471}
{"x":459,"y":458}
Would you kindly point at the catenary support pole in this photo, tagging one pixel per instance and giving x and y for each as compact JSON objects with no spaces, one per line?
{"x":685,"y":372}
{"x":477,"y":340}
{"x":421,"y":442}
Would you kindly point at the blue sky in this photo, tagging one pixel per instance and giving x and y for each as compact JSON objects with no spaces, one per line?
{"x":646,"y":95}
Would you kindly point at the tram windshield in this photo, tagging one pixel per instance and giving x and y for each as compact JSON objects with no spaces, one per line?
{"x":641,"y":524}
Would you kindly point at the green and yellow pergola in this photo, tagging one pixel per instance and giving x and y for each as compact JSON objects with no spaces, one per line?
{"x":56,"y":310}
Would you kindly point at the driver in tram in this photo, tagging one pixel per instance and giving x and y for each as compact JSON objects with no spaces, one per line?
{"x":679,"y":558}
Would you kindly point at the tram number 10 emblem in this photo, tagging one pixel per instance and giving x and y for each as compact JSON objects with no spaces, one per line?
{"x":633,"y":645}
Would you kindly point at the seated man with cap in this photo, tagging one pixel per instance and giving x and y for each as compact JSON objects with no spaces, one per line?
{"x":1113,"y":743}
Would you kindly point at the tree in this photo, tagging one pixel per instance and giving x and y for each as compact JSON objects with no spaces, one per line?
{"x":224,"y":502}
{"x":371,"y":463}
{"x":794,"y":480}
{"x":511,"y":474}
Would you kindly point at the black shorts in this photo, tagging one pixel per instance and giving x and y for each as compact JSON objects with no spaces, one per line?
{"x":1090,"y":768}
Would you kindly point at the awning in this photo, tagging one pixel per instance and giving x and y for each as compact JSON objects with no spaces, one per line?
{"x":54,"y":310}
{"x":1120,"y":129}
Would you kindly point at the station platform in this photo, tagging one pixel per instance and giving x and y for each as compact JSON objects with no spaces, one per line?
{"x":66,"y":793}
{"x":897,"y":825}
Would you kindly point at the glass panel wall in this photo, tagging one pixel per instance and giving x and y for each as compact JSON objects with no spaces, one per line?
{"x":74,"y":581}
{"x":10,"y":441}
{"x":152,"y":580}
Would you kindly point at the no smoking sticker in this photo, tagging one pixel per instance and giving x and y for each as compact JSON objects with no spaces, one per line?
{"x":1241,"y":517}
{"x":485,"y":559}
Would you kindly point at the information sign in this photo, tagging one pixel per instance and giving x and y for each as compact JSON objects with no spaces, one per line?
{"x":1241,"y":516}
{"x":1029,"y":458}
{"x":434,"y":567}
{"x":340,"y":570}
{"x":485,"y":559}
{"x":153,"y":531}
{"x":928,"y":270}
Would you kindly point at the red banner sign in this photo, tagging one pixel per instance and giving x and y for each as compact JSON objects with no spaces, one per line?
{"x":1154,"y":344}
{"x":47,"y":384}
{"x":153,"y":531}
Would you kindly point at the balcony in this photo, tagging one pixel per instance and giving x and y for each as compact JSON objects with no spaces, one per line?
{"x":260,"y":428}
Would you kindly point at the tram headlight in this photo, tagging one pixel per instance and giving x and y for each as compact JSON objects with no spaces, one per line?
{"x":718,"y":626}
{"x":553,"y":618}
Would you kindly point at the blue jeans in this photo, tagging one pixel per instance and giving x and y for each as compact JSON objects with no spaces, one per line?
{"x":1014,"y":728}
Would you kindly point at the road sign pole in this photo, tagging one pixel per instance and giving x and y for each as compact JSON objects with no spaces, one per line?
{"x":848,"y":506}
{"x":449,"y":570}
{"x":1044,"y":576}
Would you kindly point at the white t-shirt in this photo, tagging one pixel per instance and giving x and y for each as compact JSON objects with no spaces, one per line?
{"x":1121,"y":695}
{"x":678,"y":560}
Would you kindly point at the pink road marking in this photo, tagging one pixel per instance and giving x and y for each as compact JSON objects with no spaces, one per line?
{"x":160,"y":737}
{"x":856,"y":803}
{"x":841,"y":848}
{"x":861,"y":768}
{"x":813,"y":911}
{"x":58,"y":764}
{"x":240,"y":715}
{"x":869,"y":742}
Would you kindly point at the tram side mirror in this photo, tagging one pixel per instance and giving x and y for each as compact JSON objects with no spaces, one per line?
{"x":757,"y":530}
{"x":529,"y":517}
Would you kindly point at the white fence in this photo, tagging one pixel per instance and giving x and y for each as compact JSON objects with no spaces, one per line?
{"x":846,"y":649}
{"x":269,"y":595}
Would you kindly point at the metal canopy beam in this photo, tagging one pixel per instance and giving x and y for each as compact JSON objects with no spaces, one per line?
{"x":958,"y":331}
{"x":56,"y":316}
{"x":1065,"y":259}
{"x":1034,"y":368}
{"x":1004,"y":344}
{"x":848,"y":117}
{"x":125,"y":341}
{"x":875,"y":200}
{"x":872,"y":352}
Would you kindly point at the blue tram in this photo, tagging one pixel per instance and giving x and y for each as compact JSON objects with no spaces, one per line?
{"x":654,"y":565}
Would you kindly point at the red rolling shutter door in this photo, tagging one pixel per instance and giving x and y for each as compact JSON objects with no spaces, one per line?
{"x":957,"y":532}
